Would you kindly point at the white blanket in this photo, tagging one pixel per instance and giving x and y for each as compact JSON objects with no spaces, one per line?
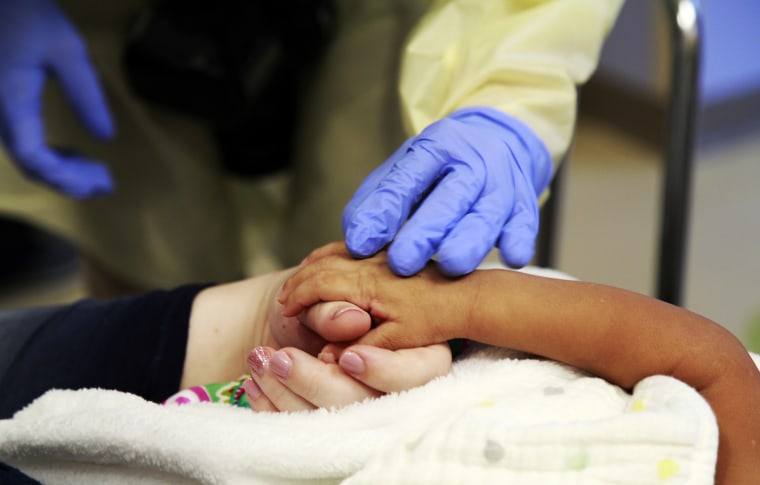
{"x":499,"y":417}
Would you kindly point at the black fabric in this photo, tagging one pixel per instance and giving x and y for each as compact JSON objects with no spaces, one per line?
{"x":133,"y":344}
{"x":13,"y":476}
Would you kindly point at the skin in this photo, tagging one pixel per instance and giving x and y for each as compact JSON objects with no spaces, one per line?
{"x":229,"y":320}
{"x":581,"y":324}
{"x":308,"y":382}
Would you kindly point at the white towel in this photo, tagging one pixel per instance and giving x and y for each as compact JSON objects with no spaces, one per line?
{"x":499,"y":417}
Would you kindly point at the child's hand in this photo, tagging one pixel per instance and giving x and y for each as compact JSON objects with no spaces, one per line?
{"x":292,"y":380}
{"x":420,"y":310}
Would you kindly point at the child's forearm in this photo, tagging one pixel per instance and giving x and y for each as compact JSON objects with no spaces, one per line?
{"x":625,"y":337}
{"x":617,"y":334}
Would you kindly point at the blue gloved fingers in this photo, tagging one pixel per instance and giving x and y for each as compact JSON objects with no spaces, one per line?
{"x":452,"y":198}
{"x":473,"y":237}
{"x":371,"y":182}
{"x":359,"y":242}
{"x":518,"y":236}
{"x":69,"y":173}
{"x":23,"y":133}
{"x":20,"y":107}
{"x":82,"y":89}
{"x":468,"y":243}
{"x":381,"y":214}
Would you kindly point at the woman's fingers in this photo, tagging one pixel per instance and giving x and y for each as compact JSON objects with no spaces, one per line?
{"x":395,"y":370}
{"x":293,"y":380}
{"x":256,"y":397}
{"x":263,"y":375}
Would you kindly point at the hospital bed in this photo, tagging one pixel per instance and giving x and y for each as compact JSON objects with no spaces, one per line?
{"x":499,"y":417}
{"x":683,"y":20}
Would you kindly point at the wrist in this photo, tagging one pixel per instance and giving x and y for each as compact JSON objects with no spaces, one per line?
{"x":226,"y":322}
{"x":497,"y":303}
{"x":466,"y":311}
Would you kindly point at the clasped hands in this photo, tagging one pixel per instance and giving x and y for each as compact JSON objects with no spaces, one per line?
{"x":370,"y":352}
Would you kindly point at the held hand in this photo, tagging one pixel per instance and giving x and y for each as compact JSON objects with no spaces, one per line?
{"x":410,"y":312}
{"x":292,"y":380}
{"x":466,"y":183}
{"x":37,"y":40}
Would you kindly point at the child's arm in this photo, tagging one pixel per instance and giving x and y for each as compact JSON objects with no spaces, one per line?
{"x":616,"y":334}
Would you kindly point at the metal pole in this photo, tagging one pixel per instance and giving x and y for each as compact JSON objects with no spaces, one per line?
{"x":684,"y":19}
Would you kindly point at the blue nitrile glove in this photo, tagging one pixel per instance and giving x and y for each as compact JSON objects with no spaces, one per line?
{"x":469,"y":181}
{"x":37,"y":41}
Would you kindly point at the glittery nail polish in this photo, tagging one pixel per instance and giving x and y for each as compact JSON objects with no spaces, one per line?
{"x":258,"y":359}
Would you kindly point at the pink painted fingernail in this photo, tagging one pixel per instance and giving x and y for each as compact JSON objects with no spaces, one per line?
{"x":280,"y":364}
{"x":252,"y":390}
{"x":258,"y":359}
{"x":345,"y":310}
{"x":351,"y":362}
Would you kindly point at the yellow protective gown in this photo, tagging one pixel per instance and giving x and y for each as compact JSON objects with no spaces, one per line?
{"x":394,"y":67}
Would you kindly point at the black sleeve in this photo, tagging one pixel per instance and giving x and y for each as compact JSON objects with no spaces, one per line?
{"x":14,"y":476}
{"x":133,"y":344}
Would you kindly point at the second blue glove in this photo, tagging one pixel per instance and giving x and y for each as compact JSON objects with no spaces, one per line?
{"x":38,"y":41}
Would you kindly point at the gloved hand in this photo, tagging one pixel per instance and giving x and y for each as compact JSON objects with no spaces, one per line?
{"x":469,"y":181}
{"x":37,"y":40}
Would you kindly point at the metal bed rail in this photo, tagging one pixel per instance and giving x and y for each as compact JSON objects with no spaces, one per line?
{"x":685,"y":31}
{"x":684,"y":19}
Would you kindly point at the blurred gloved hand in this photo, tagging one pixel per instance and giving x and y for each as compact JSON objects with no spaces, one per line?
{"x":469,"y":181}
{"x":36,"y":41}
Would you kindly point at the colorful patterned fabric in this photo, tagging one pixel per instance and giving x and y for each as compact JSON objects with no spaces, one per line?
{"x":231,"y":393}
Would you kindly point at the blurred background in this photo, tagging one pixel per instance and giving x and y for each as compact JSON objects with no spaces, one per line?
{"x":610,"y":203}
{"x":610,"y":206}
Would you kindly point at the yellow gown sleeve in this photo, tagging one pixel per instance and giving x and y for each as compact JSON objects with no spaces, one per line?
{"x":524,"y":57}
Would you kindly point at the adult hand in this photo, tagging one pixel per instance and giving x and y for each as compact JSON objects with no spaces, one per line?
{"x":228,"y":320}
{"x":316,"y":326}
{"x":468,"y":181}
{"x":292,"y":380}
{"x":37,"y":40}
